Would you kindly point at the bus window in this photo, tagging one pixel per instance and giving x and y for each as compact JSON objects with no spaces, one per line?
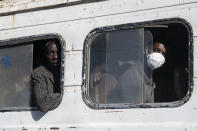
{"x":137,"y":67}
{"x":18,"y":58}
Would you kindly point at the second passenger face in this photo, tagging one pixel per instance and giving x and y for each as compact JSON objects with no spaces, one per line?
{"x":159,"y":48}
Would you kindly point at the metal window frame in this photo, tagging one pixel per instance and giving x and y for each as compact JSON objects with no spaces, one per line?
{"x":85,"y":73}
{"x":22,"y":41}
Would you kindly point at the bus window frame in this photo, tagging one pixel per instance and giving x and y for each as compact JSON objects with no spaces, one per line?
{"x":22,"y":41}
{"x":85,"y":73}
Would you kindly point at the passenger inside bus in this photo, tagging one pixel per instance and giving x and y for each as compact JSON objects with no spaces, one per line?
{"x":172,"y":79}
{"x":101,"y":76}
{"x":154,"y":60}
{"x":45,"y":79}
{"x":117,"y":71}
{"x":165,"y":71}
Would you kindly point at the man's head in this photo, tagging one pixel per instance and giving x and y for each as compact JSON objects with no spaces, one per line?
{"x":159,"y":48}
{"x":157,"y":58}
{"x":51,"y":53}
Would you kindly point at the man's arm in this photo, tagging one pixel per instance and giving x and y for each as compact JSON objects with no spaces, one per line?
{"x":44,"y":100}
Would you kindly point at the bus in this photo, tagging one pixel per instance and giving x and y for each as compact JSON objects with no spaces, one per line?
{"x":102,"y":61}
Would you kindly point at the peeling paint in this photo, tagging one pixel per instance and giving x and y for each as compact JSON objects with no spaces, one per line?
{"x":13,"y":20}
{"x":9,"y":7}
{"x":26,"y":5}
{"x":112,"y":111}
{"x":24,"y":129}
{"x":72,"y":47}
{"x":54,"y":128}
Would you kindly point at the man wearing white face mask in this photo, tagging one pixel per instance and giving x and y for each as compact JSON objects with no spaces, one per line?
{"x":155,"y":60}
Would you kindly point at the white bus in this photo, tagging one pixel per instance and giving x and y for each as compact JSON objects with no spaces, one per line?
{"x":100,"y":35}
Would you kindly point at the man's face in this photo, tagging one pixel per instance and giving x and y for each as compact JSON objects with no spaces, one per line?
{"x":160,"y":48}
{"x":52,"y":56}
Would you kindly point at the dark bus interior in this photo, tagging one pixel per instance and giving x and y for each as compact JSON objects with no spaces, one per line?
{"x":172,"y":79}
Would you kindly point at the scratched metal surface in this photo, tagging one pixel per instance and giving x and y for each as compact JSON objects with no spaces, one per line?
{"x":73,"y":23}
{"x":15,"y":5}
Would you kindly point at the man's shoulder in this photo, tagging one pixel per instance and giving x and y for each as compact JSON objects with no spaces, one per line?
{"x":41,"y":70}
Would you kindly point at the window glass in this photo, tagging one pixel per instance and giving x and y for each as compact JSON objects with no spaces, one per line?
{"x":116,"y":67}
{"x":15,"y":69}
{"x":128,"y":66}
{"x":19,"y":58}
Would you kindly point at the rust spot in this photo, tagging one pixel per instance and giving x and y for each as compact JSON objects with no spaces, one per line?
{"x":136,"y":3}
{"x":112,"y":111}
{"x":54,"y":128}
{"x":13,"y":20}
{"x":26,"y":5}
{"x":72,"y":47}
{"x":24,"y":129}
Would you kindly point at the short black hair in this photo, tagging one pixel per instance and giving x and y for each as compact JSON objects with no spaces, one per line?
{"x":46,"y":45}
{"x":44,"y":49}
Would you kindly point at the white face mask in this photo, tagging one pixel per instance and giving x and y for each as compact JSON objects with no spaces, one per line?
{"x":155,"y":60}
